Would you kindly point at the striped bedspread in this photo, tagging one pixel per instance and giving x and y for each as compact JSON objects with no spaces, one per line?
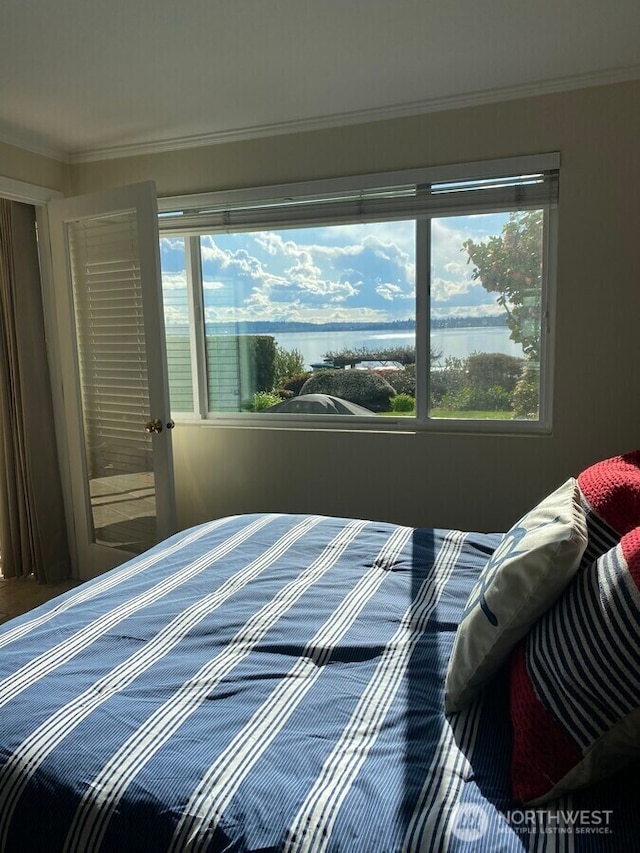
{"x":266,"y":683}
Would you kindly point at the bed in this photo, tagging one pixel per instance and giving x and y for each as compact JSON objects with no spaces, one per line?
{"x":273,"y":682}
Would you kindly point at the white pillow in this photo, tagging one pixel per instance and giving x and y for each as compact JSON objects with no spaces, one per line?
{"x":528,"y":571}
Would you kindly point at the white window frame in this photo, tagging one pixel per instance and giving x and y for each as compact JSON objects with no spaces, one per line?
{"x":190,"y":216}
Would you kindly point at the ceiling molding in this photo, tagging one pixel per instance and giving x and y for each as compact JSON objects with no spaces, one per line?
{"x":375,"y":114}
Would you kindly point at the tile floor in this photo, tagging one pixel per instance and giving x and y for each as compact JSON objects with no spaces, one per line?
{"x":18,"y":595}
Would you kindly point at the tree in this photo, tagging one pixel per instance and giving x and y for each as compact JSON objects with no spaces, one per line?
{"x":287,"y":363}
{"x":262,"y":353}
{"x":511,"y":266}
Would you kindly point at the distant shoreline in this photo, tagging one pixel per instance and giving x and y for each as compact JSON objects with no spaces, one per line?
{"x":265,"y":327}
{"x":316,"y":340}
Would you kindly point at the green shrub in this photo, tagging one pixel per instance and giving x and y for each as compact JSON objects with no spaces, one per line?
{"x":496,"y":399}
{"x":363,"y":387}
{"x":482,"y":382}
{"x":263,"y":400}
{"x":459,"y":400}
{"x":287,"y":364}
{"x":471,"y":398}
{"x":295,"y":383}
{"x":486,"y":370}
{"x":403,"y":403}
{"x":526,"y":396}
{"x":447,"y":381}
{"x":403,"y":379}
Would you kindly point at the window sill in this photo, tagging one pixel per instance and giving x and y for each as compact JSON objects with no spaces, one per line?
{"x":336,"y":423}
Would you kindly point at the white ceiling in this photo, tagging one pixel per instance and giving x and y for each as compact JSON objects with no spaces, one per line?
{"x":81,"y":79}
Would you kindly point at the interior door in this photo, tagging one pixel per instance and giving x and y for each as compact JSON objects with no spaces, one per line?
{"x":106,"y":274}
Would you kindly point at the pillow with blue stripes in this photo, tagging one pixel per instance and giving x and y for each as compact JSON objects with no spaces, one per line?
{"x":527,"y":572}
{"x":575,"y":682}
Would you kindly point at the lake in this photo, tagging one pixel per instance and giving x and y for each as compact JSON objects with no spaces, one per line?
{"x":458,"y":343}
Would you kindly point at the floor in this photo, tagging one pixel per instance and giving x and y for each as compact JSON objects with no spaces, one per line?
{"x":124,"y":517}
{"x":19,"y":595}
{"x":123,"y":507}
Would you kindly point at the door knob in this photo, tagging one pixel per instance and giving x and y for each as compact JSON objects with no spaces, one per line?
{"x":156,"y":425}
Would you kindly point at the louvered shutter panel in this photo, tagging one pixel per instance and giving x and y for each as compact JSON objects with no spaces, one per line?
{"x":112,"y":361}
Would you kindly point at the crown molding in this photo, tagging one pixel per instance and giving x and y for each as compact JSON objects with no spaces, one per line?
{"x":375,"y":114}
{"x":327,"y":122}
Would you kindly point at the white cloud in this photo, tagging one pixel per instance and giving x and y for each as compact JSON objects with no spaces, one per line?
{"x":172,"y":244}
{"x":269,"y":276}
{"x":270,"y":242}
{"x":294,"y":311}
{"x":175,"y":316}
{"x":442,"y":290}
{"x":174,"y":280}
{"x":304,"y":269}
{"x":389,"y":291}
{"x":274,"y":244}
{"x":461,"y":269}
{"x":353,"y":272}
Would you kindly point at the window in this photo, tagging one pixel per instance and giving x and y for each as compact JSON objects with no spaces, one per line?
{"x":409,"y":299}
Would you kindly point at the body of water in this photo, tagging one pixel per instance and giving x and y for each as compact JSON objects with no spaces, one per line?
{"x":458,"y":343}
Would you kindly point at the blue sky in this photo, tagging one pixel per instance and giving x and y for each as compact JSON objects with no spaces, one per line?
{"x":350,"y":273}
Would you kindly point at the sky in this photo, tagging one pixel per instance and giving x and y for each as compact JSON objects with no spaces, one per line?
{"x":339,"y":273}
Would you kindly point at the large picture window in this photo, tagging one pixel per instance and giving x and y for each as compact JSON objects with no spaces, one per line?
{"x":419,"y":299}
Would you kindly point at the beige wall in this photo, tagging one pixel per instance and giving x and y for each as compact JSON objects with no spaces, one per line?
{"x":20,"y":165}
{"x":468,"y":481}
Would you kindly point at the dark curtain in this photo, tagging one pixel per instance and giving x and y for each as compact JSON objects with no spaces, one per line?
{"x":33,"y":535}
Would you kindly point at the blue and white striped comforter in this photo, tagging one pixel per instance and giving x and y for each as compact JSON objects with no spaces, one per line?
{"x":260,"y":683}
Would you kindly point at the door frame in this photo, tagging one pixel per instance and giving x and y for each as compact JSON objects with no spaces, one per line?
{"x":38,"y":196}
{"x":55,"y":373}
{"x":93,"y":557}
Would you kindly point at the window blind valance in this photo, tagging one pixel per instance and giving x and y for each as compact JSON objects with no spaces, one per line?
{"x":513,"y":184}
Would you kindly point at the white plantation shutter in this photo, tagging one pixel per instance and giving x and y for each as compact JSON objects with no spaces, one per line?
{"x":114,"y":386}
{"x":109,"y":336}
{"x":111,"y":342}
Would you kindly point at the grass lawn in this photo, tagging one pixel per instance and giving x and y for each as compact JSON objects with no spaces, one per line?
{"x":479,"y":416}
{"x":455,"y":414}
